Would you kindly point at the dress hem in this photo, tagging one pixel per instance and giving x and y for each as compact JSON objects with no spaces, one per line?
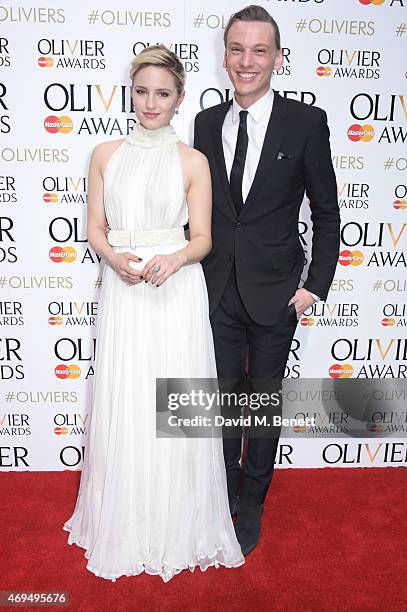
{"x":167,"y":571}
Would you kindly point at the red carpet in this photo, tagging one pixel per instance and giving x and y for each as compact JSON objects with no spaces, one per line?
{"x":333,"y":539}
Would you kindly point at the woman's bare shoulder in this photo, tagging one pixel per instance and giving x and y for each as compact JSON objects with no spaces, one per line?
{"x":193,"y":162}
{"x":102,"y":153}
{"x":191,"y":156}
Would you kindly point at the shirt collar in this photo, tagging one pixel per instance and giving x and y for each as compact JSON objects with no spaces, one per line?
{"x":256,"y":110}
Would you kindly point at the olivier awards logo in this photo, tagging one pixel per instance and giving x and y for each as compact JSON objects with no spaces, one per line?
{"x":324,"y":314}
{"x":77,"y":350}
{"x":390,"y":109}
{"x":369,"y":358}
{"x":382,"y":244}
{"x":64,"y":190}
{"x":62,"y":230}
{"x":353,"y":195}
{"x":72,"y":313}
{"x":100,"y":109}
{"x":75,"y":54}
{"x":348,"y":64}
{"x":70,"y":424}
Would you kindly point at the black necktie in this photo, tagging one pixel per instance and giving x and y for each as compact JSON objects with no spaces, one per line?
{"x":236,"y":174}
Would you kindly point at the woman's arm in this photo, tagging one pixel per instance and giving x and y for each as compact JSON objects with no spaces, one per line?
{"x":199,"y":200}
{"x":96,"y":212}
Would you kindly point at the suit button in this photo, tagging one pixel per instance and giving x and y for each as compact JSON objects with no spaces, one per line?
{"x":238,"y":226}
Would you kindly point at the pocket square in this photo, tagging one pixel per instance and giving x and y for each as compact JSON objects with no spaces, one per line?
{"x":282,"y":155}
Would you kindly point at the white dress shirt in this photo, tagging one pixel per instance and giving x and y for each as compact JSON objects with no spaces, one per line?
{"x":257,"y":121}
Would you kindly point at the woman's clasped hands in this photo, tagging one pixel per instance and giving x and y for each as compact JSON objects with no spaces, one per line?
{"x":156,"y":271}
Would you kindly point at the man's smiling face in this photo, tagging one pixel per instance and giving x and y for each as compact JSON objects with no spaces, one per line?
{"x":250,"y":58}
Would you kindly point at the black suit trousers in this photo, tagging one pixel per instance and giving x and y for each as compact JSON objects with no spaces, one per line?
{"x":235,"y":332}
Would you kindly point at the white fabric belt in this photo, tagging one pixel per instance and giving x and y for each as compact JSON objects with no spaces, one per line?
{"x":139,"y":238}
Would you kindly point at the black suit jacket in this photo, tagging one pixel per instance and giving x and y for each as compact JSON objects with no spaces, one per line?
{"x":264,"y":240}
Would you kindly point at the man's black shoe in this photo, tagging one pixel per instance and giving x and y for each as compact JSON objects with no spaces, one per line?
{"x":247,"y":527}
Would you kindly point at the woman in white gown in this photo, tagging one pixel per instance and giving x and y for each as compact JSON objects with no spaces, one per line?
{"x":150,"y":504}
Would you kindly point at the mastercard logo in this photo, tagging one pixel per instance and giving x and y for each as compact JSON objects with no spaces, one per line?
{"x":307,"y":321}
{"x":351,"y":258}
{"x":66,"y":254}
{"x":50,"y":197}
{"x":55,"y":321}
{"x":377,"y":427}
{"x":299,"y":428}
{"x":324,"y":71}
{"x":61,"y":431}
{"x":338,"y":370}
{"x":67,"y":371}
{"x":388,"y":322}
{"x":54,"y":124}
{"x":363,"y":133}
{"x":400,"y":204}
{"x":375,"y":2}
{"x":45,"y":62}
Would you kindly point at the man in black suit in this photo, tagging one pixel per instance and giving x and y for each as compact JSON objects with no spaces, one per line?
{"x":264,"y":153}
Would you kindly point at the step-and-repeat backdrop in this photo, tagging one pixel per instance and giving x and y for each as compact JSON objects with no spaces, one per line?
{"x":69,"y":62}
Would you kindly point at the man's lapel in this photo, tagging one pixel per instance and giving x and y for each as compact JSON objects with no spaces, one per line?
{"x":217,"y":123}
{"x":271,"y":146}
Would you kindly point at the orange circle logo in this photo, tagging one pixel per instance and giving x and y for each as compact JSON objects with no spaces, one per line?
{"x":67,"y":371}
{"x":400,"y":204}
{"x":388,"y":322}
{"x":66,"y":254}
{"x":55,"y":320}
{"x":375,"y":2}
{"x":376,"y":427}
{"x":324,"y":71}
{"x":307,"y":321}
{"x":338,"y":370}
{"x":50,"y":197}
{"x":54,"y":124}
{"x":45,"y":62}
{"x":61,"y":431}
{"x":351,"y":258}
{"x":363,"y":133}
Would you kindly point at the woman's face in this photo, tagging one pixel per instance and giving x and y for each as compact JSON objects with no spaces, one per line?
{"x":155,"y":96}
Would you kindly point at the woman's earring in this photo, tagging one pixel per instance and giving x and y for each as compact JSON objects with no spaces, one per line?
{"x":176,"y":111}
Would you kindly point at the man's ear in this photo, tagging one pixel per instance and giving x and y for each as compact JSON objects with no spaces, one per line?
{"x":279,"y":60}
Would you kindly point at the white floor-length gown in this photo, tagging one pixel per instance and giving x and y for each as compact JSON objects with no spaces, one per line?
{"x":150,"y":504}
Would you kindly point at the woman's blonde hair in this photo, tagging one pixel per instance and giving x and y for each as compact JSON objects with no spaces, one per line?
{"x":160,"y":56}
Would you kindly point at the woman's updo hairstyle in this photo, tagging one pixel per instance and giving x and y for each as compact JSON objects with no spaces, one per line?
{"x":160,"y":56}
